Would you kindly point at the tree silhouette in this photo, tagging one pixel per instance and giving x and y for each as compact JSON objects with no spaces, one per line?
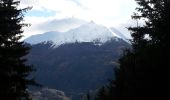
{"x":13,"y":70}
{"x":107,"y":92}
{"x":143,"y":71}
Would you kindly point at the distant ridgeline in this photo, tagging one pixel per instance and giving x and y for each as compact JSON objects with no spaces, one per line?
{"x":76,"y":68}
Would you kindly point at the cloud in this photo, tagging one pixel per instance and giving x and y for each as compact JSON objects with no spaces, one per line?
{"x":77,"y":2}
{"x":85,"y":9}
{"x":106,"y":12}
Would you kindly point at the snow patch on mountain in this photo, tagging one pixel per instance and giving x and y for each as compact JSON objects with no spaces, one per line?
{"x":85,"y":33}
{"x":88,"y":32}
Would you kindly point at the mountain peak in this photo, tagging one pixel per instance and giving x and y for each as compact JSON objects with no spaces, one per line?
{"x":85,"y":32}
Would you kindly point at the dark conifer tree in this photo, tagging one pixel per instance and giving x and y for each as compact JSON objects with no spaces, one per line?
{"x":143,"y":71}
{"x":13,"y":70}
{"x":102,"y":94}
{"x":107,"y":92}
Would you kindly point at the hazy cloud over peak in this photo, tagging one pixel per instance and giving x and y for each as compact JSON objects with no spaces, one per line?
{"x":106,"y":12}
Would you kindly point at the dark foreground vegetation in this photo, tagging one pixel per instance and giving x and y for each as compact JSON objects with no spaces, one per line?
{"x":143,"y":71}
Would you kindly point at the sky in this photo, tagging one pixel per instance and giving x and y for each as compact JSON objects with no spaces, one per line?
{"x":111,"y":13}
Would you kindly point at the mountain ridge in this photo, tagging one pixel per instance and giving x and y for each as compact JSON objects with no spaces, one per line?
{"x":86,"y":32}
{"x":75,"y":68}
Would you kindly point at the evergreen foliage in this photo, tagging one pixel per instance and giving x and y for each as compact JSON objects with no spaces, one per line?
{"x":143,"y":72}
{"x":13,"y":71}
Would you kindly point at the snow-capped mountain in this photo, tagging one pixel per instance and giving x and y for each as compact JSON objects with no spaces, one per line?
{"x":87,"y":32}
{"x":59,"y":67}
